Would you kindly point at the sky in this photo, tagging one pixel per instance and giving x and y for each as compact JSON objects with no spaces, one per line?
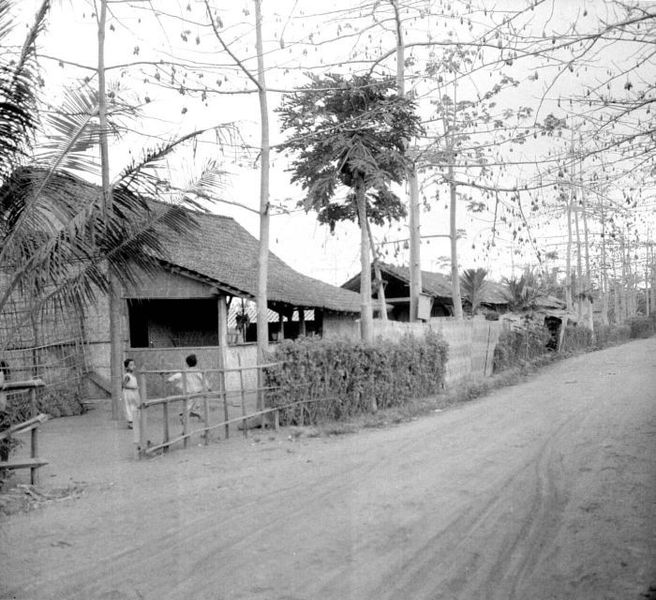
{"x":295,"y":43}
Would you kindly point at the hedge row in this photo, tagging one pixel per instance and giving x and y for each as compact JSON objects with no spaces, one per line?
{"x":517,"y":347}
{"x":343,"y":379}
{"x":642,"y":327}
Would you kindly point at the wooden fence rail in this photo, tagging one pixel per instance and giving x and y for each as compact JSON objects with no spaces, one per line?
{"x":186,"y":398}
{"x":32,"y":425}
{"x":275,"y":411}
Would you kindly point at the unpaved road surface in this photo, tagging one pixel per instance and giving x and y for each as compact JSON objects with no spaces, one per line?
{"x":544,"y":490}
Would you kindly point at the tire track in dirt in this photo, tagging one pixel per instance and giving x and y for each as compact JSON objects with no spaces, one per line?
{"x":468,"y":504}
{"x":194,"y":533}
{"x":462,"y":574}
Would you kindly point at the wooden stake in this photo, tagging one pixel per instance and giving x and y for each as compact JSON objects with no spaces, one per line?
{"x":185,"y":412}
{"x":34,"y":439}
{"x":167,"y":436}
{"x":206,"y":412}
{"x":243,"y":398}
{"x":143,"y":434}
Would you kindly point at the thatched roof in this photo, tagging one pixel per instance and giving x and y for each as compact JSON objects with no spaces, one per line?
{"x":436,"y":285}
{"x":225,"y":253}
{"x":220,"y":252}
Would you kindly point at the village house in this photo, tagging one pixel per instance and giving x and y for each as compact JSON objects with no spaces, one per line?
{"x":205,"y":283}
{"x":195,"y":302}
{"x":435,"y":300}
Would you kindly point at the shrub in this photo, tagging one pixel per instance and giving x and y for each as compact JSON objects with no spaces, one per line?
{"x":55,"y":401}
{"x":576,"y":339}
{"x":609,"y":335}
{"x":343,"y":379}
{"x":519,"y":346}
{"x":641,"y":327}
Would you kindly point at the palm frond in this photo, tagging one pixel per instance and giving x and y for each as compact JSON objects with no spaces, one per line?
{"x":72,"y":131}
{"x":144,"y":176}
{"x":18,"y":97}
{"x":473,"y":285}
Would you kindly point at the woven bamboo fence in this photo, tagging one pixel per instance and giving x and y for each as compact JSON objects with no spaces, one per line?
{"x":471,"y":346}
{"x":471,"y":341}
{"x":44,"y":344}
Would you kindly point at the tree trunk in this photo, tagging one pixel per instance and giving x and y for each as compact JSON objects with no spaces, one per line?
{"x":579,"y":266}
{"x":414,"y":218}
{"x":623,"y":295}
{"x":415,"y":244}
{"x":568,"y":258}
{"x":455,"y":276}
{"x":263,"y":256}
{"x":115,"y":299}
{"x":647,"y":277}
{"x":653,"y":278}
{"x":366,"y":318}
{"x":604,"y":270}
{"x":586,"y":242}
{"x":380,"y":286}
{"x":617,"y":307}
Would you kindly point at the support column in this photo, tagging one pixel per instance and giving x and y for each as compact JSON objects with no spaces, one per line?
{"x":223,"y":331}
{"x":301,"y":322}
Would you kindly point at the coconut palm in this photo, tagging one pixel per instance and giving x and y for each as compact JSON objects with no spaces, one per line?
{"x":523,"y":291}
{"x":473,"y":286}
{"x":57,"y":246}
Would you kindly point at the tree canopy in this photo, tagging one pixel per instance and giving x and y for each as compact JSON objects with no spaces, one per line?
{"x":341,"y":129}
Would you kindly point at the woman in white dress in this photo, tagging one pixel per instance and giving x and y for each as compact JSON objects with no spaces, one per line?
{"x":131,"y":398}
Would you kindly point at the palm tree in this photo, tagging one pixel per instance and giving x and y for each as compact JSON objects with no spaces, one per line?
{"x":523,"y":291}
{"x":473,"y":286}
{"x":56,"y":246}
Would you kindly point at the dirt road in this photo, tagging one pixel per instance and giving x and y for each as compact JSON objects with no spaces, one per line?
{"x":544,"y":490}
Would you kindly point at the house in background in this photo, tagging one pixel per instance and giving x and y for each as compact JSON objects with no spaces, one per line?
{"x":435,"y":300}
{"x":205,"y":283}
{"x":182,"y":307}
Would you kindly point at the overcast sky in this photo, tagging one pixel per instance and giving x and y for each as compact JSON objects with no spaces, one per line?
{"x":293,"y":39}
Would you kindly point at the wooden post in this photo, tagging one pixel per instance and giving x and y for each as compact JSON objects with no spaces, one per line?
{"x":33,"y":412}
{"x":224,"y":395}
{"x":276,"y":420}
{"x":301,"y":322}
{"x":167,"y":436}
{"x":34,"y":438}
{"x":143,"y":434}
{"x":223,"y":323}
{"x":206,"y":412}
{"x":243,"y":398}
{"x":223,"y":357}
{"x":185,"y":412}
{"x":281,"y":321}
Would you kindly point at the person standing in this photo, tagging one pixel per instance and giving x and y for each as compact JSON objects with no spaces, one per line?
{"x":131,"y":399}
{"x":191,"y":381}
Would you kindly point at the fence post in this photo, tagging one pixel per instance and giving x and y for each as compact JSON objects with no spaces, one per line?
{"x":206,"y":412}
{"x":143,"y":434}
{"x":487,"y":349}
{"x":34,"y":439}
{"x":223,"y":394}
{"x":185,"y":411}
{"x":244,"y":423}
{"x":165,"y":415}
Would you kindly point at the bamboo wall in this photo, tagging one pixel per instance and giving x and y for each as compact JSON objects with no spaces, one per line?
{"x":471,"y":341}
{"x":48,"y":345}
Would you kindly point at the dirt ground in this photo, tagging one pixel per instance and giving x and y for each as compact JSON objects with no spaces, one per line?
{"x":544,"y":490}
